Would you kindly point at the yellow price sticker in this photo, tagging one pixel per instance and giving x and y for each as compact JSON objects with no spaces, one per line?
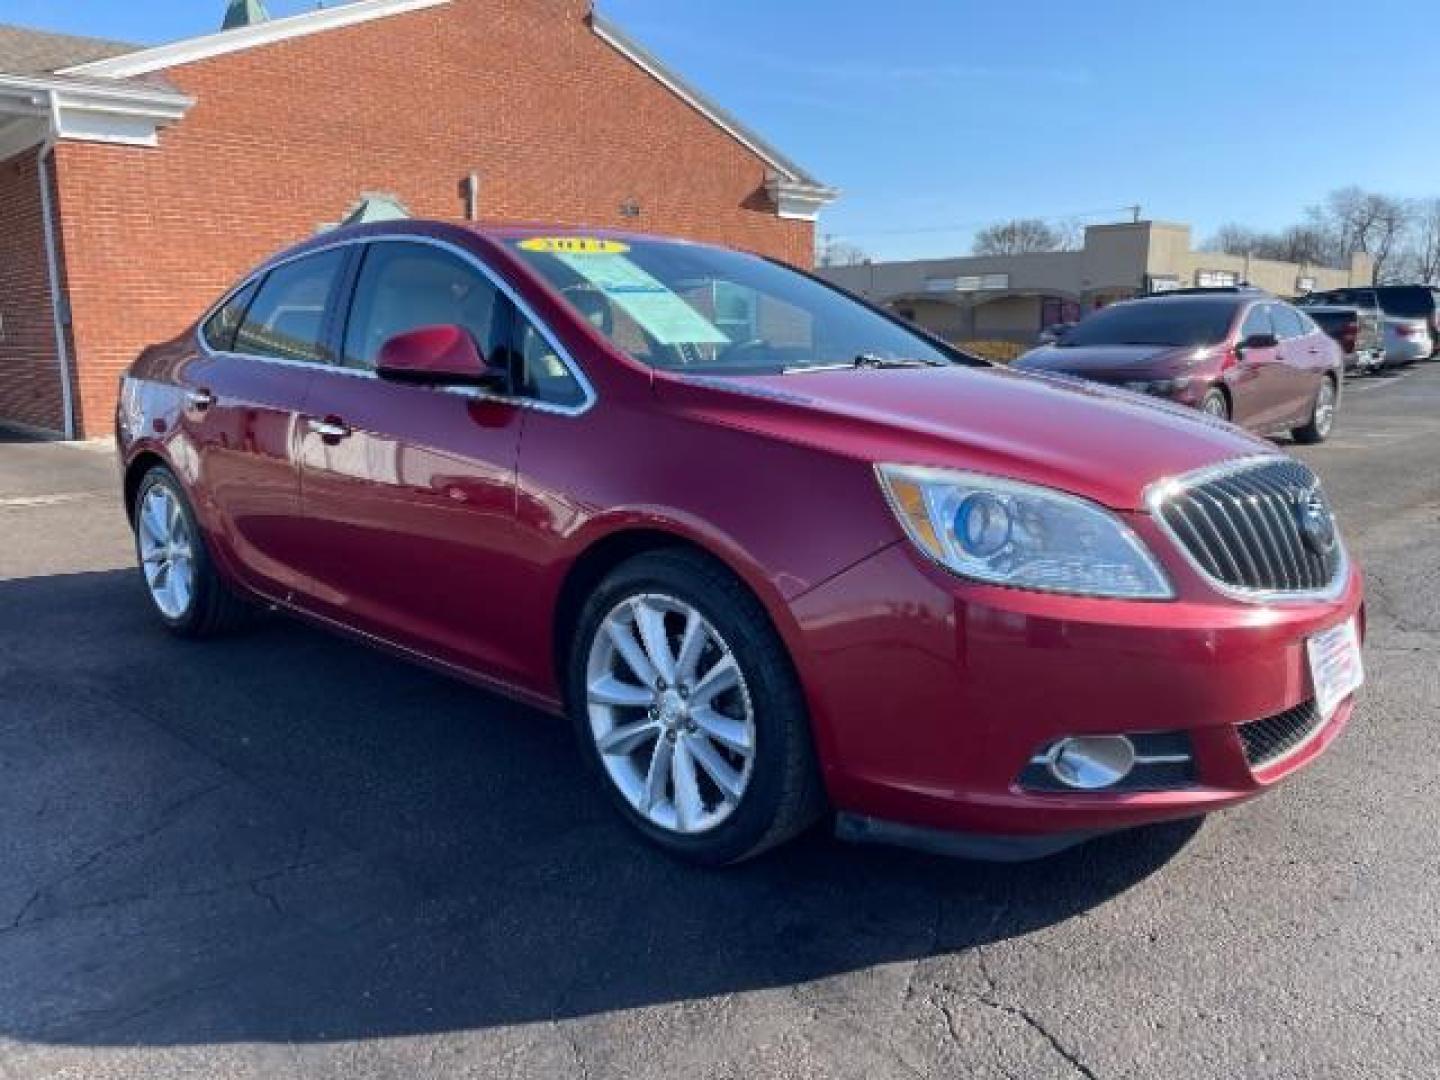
{"x":573,"y":245}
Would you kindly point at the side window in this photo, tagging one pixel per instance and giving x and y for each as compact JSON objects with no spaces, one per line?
{"x":405,"y":286}
{"x":1287,"y":322}
{"x":1256,"y":322}
{"x":219,"y":330}
{"x":543,"y":376}
{"x":287,"y":319}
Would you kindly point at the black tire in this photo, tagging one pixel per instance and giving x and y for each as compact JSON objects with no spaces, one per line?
{"x":1320,"y":426}
{"x":215,"y":608}
{"x":1215,"y":404}
{"x":784,"y":795}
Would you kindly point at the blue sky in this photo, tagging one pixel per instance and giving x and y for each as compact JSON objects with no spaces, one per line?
{"x":937,"y":116}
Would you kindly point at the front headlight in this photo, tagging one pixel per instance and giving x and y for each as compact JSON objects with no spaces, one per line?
{"x":1160,"y":387}
{"x":1004,"y":532}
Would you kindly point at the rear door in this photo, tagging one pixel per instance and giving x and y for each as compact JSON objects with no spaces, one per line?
{"x":244,"y":399}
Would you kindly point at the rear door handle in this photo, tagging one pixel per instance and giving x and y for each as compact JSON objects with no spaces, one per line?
{"x":199,"y":400}
{"x":331,"y":429}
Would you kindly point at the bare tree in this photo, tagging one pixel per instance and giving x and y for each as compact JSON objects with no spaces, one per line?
{"x":1233,"y":239}
{"x":1071,"y":231}
{"x":833,"y":251}
{"x":1424,"y":247}
{"x":1017,"y":237}
{"x":1390,"y":220}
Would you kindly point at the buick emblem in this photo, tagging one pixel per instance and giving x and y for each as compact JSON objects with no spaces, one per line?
{"x":1317,"y":524}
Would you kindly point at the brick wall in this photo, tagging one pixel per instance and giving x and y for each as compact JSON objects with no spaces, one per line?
{"x":560,"y":127}
{"x":29,"y":373}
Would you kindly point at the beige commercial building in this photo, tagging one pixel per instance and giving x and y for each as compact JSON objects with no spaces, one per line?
{"x":1013,"y":297}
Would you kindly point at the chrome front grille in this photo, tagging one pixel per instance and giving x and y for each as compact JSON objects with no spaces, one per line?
{"x":1258,"y":527}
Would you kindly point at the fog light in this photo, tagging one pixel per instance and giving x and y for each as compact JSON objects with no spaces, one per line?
{"x":1092,"y":762}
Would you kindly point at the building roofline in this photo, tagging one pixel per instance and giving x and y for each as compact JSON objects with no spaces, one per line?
{"x":189,"y":50}
{"x":141,"y":94}
{"x":796,"y":192}
{"x":790,"y":171}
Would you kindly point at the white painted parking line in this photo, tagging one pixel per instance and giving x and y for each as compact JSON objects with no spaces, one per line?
{"x":25,"y":502}
{"x":1377,"y":383}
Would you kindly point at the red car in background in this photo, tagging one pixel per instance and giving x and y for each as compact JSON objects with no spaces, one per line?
{"x":773,"y":551}
{"x":1238,"y":354}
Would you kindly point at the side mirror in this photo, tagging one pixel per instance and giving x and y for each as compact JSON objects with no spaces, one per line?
{"x":437,"y":356}
{"x":1258,"y":341}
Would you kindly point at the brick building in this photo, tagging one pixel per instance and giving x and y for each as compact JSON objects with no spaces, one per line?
{"x":136,"y":183}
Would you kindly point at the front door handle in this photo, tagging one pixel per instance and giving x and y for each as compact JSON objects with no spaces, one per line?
{"x":199,"y":400}
{"x":330,"y":429}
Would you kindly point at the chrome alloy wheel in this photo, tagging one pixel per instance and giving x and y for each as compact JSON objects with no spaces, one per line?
{"x":1325,"y":408}
{"x":1214,"y":405}
{"x":671,"y":714}
{"x":167,"y":551}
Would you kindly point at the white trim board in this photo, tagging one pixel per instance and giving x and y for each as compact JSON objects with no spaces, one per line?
{"x":248,"y":37}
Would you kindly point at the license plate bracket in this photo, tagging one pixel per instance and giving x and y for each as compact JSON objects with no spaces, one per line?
{"x":1336,"y":667}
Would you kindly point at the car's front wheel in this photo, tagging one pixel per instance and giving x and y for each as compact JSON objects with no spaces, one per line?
{"x":685,"y":700}
{"x":184,"y":587}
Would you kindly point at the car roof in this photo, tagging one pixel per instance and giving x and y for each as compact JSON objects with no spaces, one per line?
{"x":497,"y":233}
{"x":1231,"y":299}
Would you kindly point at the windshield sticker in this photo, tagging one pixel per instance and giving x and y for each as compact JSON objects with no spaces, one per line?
{"x":661,"y":313}
{"x":573,"y":245}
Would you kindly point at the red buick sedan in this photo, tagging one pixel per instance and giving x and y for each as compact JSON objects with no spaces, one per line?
{"x":774,"y":552}
{"x":1236,"y":353}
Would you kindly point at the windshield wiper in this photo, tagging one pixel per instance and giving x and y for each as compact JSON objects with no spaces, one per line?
{"x":866,"y":360}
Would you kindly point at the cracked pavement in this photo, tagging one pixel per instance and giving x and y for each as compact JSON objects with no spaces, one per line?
{"x":285,"y":855}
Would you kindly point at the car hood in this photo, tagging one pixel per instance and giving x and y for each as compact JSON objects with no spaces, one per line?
{"x":1103,"y":444}
{"x":1109,"y":362}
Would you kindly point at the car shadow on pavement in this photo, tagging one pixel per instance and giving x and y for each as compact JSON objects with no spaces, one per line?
{"x":289,"y":837}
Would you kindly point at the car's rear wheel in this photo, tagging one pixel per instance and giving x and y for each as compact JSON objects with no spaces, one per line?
{"x":1322,"y":415}
{"x":186,"y":591}
{"x":1215,"y":404}
{"x":685,"y":701}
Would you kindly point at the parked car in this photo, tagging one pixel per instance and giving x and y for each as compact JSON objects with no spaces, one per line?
{"x":1358,"y":328}
{"x":1414,"y":302}
{"x":814,"y":560}
{"x":1405,"y":302}
{"x":1236,"y":354}
{"x":1406,"y":340}
{"x":1054,"y":332}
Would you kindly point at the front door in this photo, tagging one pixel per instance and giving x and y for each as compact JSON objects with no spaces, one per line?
{"x":409,"y":491}
{"x":1257,"y":384}
{"x":1304,"y":350}
{"x":243,"y":399}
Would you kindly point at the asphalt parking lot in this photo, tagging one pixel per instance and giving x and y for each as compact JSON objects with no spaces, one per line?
{"x":286,"y":855}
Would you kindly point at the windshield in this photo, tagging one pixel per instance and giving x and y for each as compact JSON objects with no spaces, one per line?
{"x":1154,"y":322}
{"x":699,"y":309}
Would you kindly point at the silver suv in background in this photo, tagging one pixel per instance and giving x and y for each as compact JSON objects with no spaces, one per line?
{"x":1356,"y":324}
{"x":1412,"y":317}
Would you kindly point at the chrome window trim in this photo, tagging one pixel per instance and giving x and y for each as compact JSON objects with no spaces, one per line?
{"x":1157,"y":493}
{"x":474,"y":393}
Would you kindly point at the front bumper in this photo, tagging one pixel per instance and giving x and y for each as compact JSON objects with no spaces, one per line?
{"x":932,"y":695}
